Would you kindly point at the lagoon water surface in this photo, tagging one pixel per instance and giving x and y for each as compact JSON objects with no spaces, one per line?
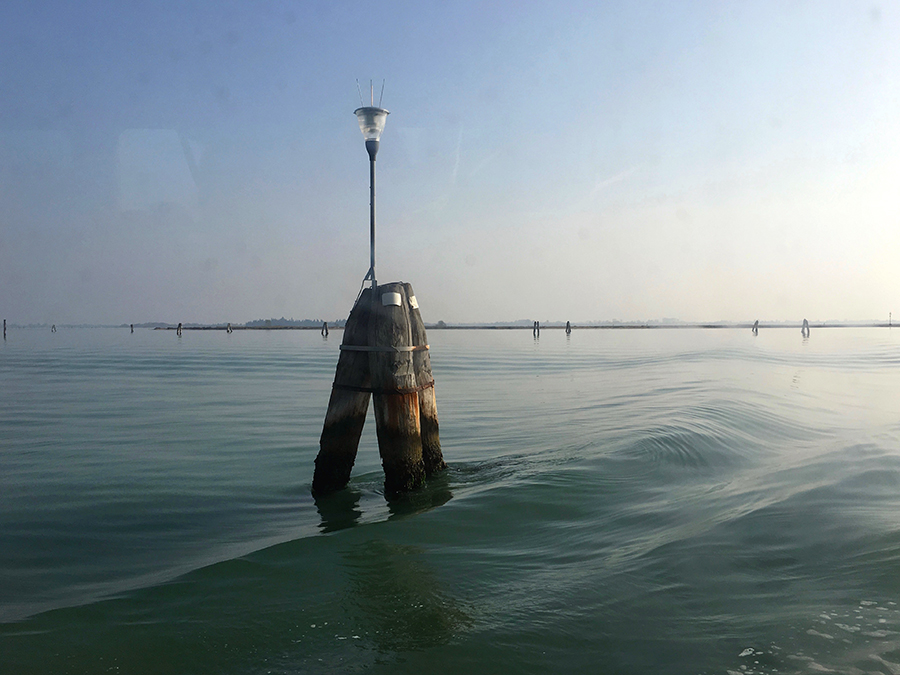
{"x":617,"y":501}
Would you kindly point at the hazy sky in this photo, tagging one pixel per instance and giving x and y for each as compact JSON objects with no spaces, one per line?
{"x":200,"y":161}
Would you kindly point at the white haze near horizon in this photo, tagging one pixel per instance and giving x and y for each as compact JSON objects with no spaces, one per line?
{"x":583,"y":161}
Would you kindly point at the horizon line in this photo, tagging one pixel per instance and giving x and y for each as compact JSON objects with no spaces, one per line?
{"x":496,"y":325}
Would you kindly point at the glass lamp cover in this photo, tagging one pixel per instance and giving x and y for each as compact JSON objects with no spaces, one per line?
{"x":371,"y":121}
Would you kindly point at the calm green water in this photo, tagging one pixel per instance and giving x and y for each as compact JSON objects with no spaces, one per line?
{"x":667,"y":501}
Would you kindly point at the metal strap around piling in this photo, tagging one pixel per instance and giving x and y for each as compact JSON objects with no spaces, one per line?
{"x":371,"y":390}
{"x":397,"y":350}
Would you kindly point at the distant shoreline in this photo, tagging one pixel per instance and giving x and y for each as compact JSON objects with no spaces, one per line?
{"x":553,"y":326}
{"x":237,"y":328}
{"x":623,"y":326}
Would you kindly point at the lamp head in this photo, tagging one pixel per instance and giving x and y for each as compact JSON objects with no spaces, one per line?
{"x":371,"y":123}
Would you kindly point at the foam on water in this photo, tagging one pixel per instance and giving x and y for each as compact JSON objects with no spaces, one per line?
{"x":849,"y":641}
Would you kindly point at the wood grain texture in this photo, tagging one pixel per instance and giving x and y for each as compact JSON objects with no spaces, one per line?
{"x":428,"y":418}
{"x":347,"y":409}
{"x":396,"y":415}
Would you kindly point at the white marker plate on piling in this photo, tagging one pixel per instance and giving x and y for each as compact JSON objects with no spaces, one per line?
{"x":388,"y":299}
{"x":413,"y":302}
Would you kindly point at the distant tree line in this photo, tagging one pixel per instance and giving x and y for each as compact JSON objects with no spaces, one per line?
{"x":302,"y":323}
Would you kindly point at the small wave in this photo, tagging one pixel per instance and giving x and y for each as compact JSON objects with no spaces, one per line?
{"x":683,"y":447}
{"x":846,"y":640}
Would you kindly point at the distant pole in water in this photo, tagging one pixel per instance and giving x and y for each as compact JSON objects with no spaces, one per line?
{"x":536,"y":329}
{"x":324,"y":329}
{"x":755,"y":328}
{"x":178,"y":330}
{"x":53,"y":328}
{"x":4,"y":329}
{"x":229,"y":329}
{"x":132,"y":328}
{"x":568,"y":328}
{"x":804,"y":331}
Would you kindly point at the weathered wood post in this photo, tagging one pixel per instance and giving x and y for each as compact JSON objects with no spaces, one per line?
{"x":348,"y":404}
{"x":385,"y":353}
{"x":428,"y":419}
{"x":395,"y":391}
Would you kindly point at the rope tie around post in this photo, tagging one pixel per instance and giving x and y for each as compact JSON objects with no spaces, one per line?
{"x":384,"y":353}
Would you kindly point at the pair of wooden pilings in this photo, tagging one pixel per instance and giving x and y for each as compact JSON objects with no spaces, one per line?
{"x":384,"y":354}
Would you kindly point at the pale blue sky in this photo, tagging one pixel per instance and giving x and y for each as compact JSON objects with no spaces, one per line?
{"x":577,"y":161}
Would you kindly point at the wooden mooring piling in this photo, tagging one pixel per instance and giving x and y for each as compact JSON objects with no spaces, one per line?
{"x":384,"y":353}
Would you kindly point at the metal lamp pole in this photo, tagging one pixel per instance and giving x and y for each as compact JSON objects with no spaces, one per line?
{"x":371,"y":122}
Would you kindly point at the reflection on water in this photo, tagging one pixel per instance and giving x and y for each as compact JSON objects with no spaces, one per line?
{"x":339,"y":510}
{"x":401,"y":600}
{"x":342,"y":509}
{"x":436,"y":493}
